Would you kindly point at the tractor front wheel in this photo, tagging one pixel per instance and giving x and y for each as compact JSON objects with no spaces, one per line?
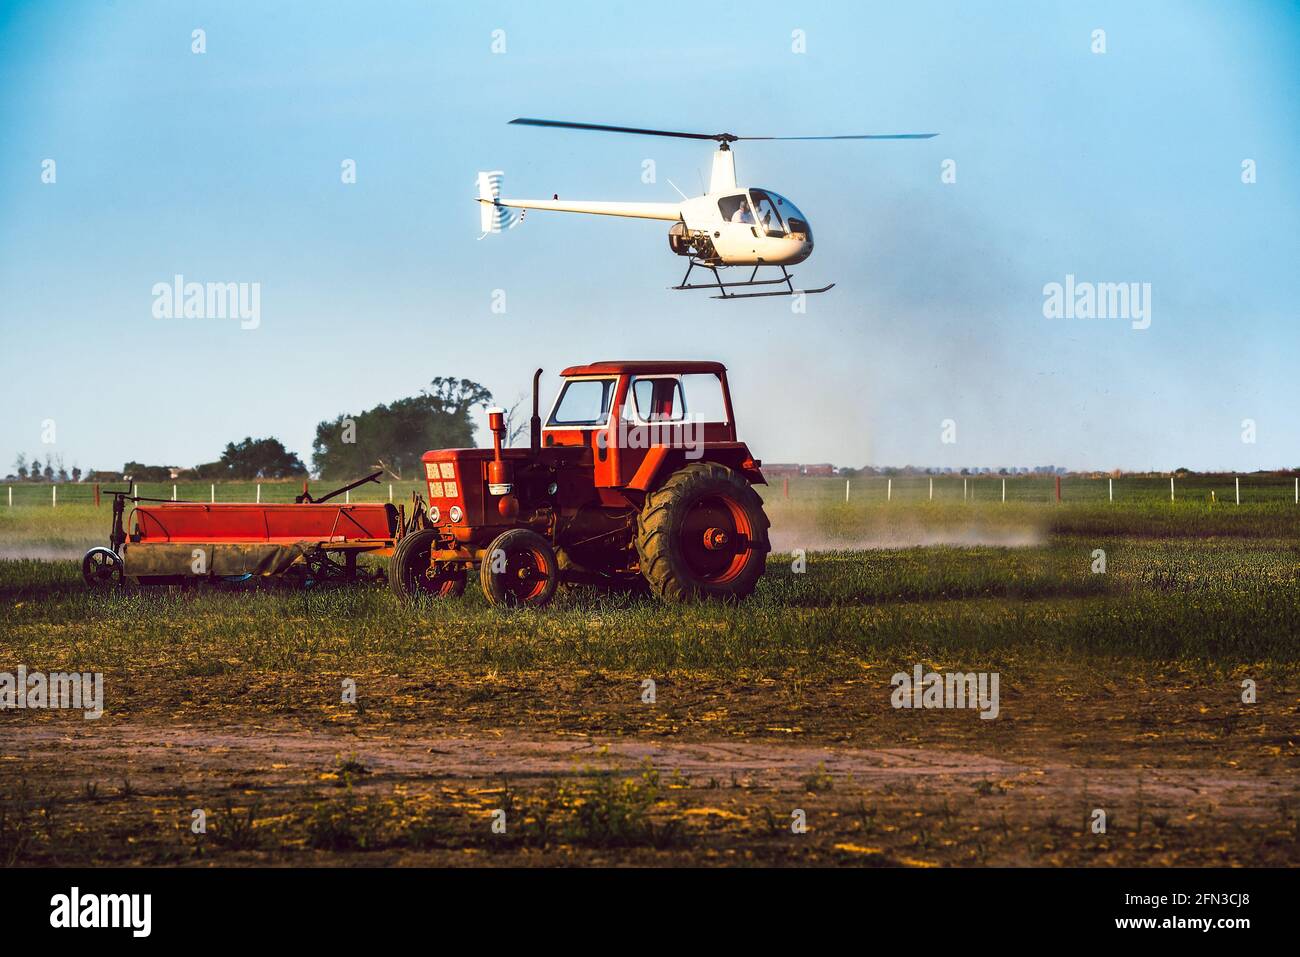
{"x":410,"y":575}
{"x":702,"y":534}
{"x":520,"y":569}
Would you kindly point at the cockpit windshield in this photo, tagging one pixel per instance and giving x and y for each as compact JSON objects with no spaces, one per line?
{"x":778,"y":215}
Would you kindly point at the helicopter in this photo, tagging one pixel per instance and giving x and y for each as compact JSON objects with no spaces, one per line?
{"x":730,"y":225}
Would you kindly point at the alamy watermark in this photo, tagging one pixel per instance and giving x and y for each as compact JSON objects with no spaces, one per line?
{"x":683,"y":432}
{"x":179,"y":299}
{"x":1098,"y":300}
{"x":83,"y":691}
{"x":954,"y":689}
{"x":75,"y":909}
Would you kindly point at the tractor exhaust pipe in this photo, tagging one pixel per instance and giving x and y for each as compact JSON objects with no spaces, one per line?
{"x":499,"y":482}
{"x":499,"y":473}
{"x":535,"y":423}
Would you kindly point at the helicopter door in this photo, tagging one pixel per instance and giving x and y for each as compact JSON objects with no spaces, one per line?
{"x":739,"y":231}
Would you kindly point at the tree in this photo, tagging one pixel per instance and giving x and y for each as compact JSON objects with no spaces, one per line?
{"x":210,"y":470}
{"x":36,"y":469}
{"x":139,"y":472}
{"x":20,"y":464}
{"x":458,"y":396}
{"x":396,"y":435}
{"x":517,"y":419}
{"x":259,"y":458}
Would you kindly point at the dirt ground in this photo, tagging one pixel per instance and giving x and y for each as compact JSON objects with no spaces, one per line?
{"x":540,"y":769}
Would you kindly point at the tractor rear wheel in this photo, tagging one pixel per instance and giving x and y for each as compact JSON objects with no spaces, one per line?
{"x":410,"y":575}
{"x":702,"y":534}
{"x":520,"y":568}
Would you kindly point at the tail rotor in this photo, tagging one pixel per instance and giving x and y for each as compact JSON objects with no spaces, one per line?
{"x":493,"y":217}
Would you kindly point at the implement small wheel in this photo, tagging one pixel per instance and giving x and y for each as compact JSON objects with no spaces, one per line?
{"x":520,"y":569}
{"x":101,"y":567}
{"x":410,"y":575}
{"x":702,"y":534}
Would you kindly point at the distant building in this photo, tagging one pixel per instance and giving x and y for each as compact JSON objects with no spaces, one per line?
{"x":821,"y":469}
{"x":780,"y":469}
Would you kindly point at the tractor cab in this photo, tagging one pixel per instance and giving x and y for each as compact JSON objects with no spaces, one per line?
{"x":636,"y":416}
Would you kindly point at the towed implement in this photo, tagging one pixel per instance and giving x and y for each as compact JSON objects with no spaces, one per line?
{"x":311,"y":540}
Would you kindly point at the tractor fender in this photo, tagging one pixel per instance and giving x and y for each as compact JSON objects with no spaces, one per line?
{"x":662,"y":460}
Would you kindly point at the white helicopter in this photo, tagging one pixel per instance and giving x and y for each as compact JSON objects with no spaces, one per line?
{"x":730,"y":225}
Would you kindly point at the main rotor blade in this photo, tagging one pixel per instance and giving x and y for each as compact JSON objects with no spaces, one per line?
{"x":720,"y":137}
{"x":861,"y":136}
{"x":562,"y":124}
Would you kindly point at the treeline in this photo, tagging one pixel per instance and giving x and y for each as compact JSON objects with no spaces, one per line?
{"x":50,"y":470}
{"x":390,"y":436}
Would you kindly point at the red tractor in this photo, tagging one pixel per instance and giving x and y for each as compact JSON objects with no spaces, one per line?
{"x":635,"y":476}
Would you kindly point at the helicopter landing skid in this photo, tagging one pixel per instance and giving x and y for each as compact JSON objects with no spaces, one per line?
{"x":786,"y":279}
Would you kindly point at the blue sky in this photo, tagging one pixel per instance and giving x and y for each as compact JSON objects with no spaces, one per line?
{"x":225,"y":167}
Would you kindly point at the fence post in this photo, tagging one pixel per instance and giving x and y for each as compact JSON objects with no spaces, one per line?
{"x":1004,"y":490}
{"x":96,"y":495}
{"x":932,"y":488}
{"x":212,"y":491}
{"x":963,"y":490}
{"x":889,"y":490}
{"x":785,"y":486}
{"x":11,"y":496}
{"x":347,"y":497}
{"x":1237,"y":480}
{"x":1171,"y":488}
{"x":54,"y":495}
{"x":1058,"y":488}
{"x":390,"y":491}
{"x":259,"y":493}
{"x":1297,"y":491}
{"x":173,"y":493}
{"x":1110,"y":484}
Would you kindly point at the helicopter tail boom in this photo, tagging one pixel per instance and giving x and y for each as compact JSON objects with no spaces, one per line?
{"x":665,"y":211}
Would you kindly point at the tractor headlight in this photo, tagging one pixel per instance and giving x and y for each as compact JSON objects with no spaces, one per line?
{"x":456,"y":514}
{"x":435,"y":514}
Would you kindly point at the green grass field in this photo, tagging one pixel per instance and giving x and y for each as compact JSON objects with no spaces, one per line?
{"x":1184,"y":579}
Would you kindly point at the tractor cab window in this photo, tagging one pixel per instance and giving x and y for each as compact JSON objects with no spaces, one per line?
{"x":658,"y":399}
{"x":583,"y":402}
{"x":736,"y":209}
{"x":768,"y":211}
{"x":780,"y":216}
{"x":703,"y":392}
